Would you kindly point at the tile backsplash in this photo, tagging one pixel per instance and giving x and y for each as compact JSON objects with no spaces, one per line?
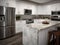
{"x":24,"y":17}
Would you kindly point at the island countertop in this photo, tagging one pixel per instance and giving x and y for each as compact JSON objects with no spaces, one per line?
{"x":39,"y":25}
{"x":37,"y":33}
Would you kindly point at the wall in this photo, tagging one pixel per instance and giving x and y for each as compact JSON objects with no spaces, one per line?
{"x":46,"y":9}
{"x":21,"y":5}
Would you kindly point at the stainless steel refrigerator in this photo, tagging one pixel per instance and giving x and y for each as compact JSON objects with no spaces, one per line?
{"x":7,"y":22}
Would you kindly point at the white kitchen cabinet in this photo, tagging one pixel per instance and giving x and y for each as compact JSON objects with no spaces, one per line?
{"x":29,"y":36}
{"x":3,"y":2}
{"x":37,"y":34}
{"x":19,"y":25}
{"x":11,"y":3}
{"x":35,"y":37}
{"x":14,"y":40}
{"x":8,"y":3}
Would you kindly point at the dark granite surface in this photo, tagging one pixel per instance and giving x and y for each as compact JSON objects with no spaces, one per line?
{"x":14,"y":40}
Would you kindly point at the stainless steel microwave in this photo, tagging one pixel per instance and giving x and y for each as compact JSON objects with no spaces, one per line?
{"x":55,"y":12}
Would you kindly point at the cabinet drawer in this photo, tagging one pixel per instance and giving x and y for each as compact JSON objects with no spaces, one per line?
{"x":16,"y":42}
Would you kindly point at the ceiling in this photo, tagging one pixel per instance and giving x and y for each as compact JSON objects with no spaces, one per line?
{"x":41,"y":1}
{"x":44,"y":1}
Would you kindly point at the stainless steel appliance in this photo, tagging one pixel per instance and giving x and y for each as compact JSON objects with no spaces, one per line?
{"x":28,"y":21}
{"x":55,"y":15}
{"x":7,"y":22}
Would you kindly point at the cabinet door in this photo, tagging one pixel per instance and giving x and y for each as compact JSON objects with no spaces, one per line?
{"x":10,"y":16}
{"x":1,"y":10}
{"x":16,"y":42}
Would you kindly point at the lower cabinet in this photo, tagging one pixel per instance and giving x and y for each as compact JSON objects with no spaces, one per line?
{"x":14,"y":40}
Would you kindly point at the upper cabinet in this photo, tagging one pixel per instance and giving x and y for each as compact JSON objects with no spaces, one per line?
{"x":11,"y":3}
{"x":47,"y":9}
{"x":8,"y":3}
{"x":22,"y":5}
{"x":55,"y":7}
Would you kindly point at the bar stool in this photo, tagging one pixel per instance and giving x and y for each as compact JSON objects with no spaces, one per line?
{"x":57,"y":35}
{"x":54,"y":35}
{"x":58,"y":28}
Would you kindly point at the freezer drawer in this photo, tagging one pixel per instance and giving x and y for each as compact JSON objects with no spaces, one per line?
{"x":6,"y":32}
{"x":2,"y":32}
{"x":10,"y":31}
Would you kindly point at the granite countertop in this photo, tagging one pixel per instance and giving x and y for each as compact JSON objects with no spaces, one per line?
{"x":11,"y":40}
{"x":39,"y":25}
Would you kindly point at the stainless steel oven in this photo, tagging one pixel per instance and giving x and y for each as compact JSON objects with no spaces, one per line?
{"x":28,"y":21}
{"x":55,"y":17}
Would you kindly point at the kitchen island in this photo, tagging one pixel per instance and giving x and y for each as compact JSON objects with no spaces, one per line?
{"x":37,"y":33}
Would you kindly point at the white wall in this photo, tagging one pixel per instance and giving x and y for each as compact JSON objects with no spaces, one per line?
{"x":21,"y":5}
{"x":46,"y":9}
